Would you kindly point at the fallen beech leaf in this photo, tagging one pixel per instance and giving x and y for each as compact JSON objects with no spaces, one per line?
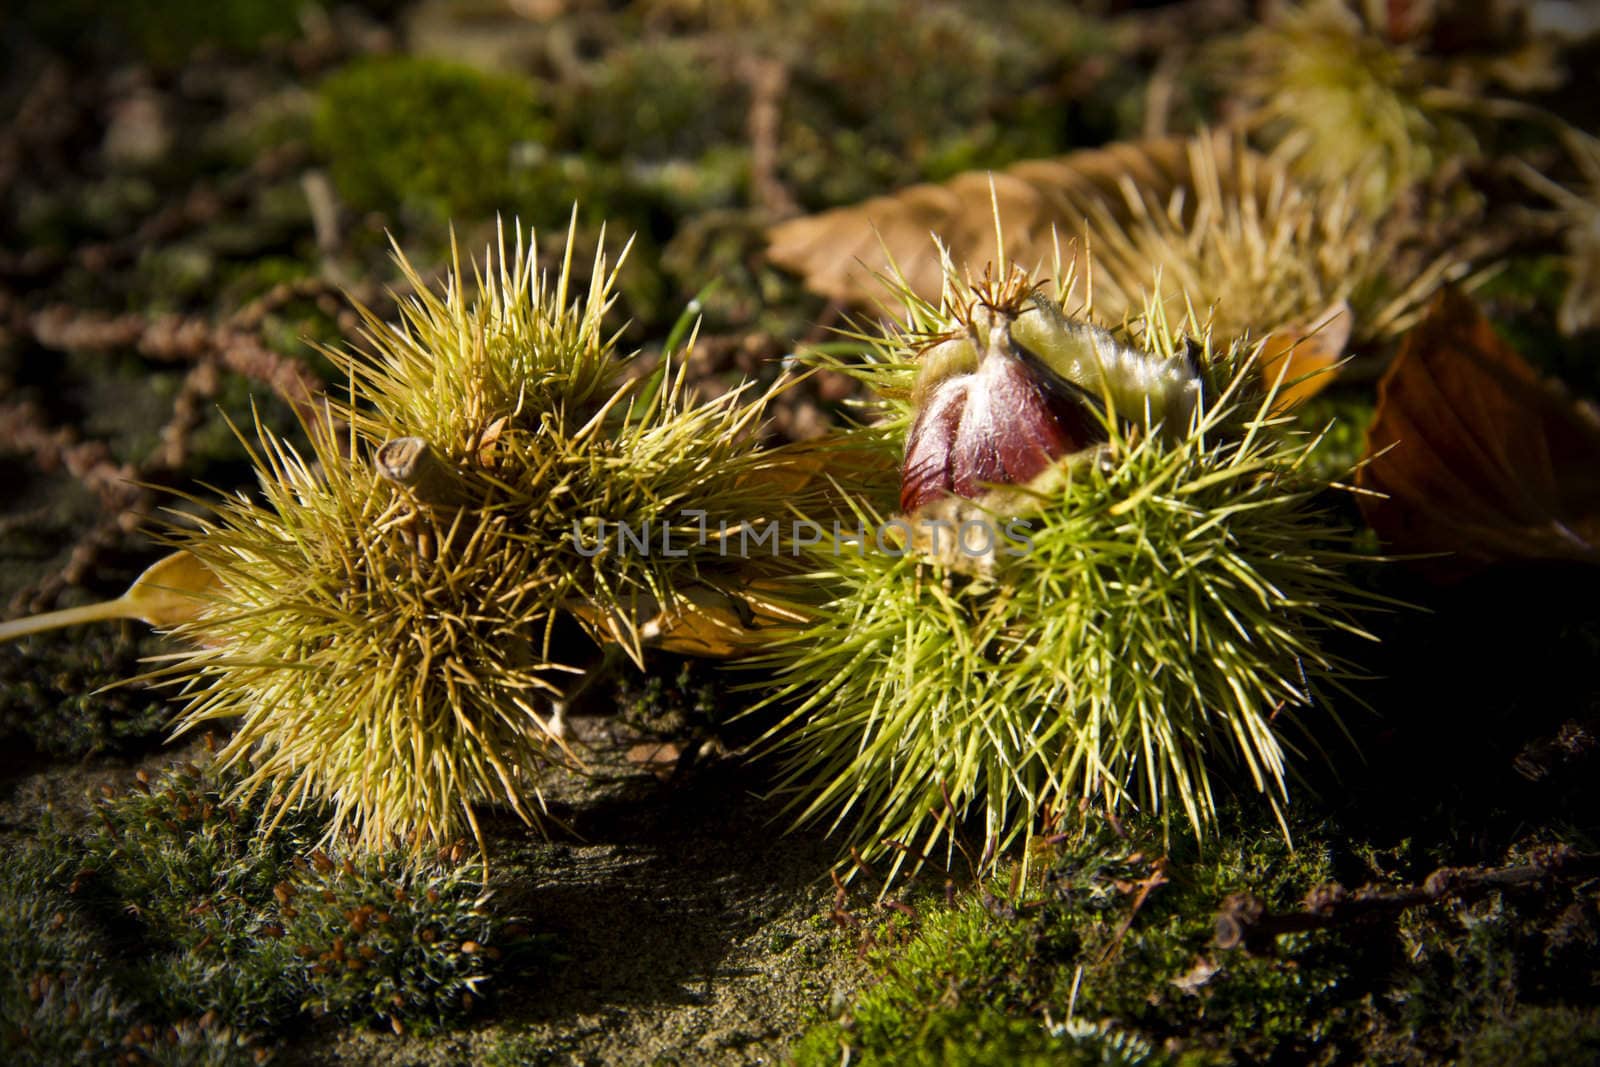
{"x":170,"y":592}
{"x":1303,"y":357}
{"x":1475,"y":455}
{"x":838,"y":252}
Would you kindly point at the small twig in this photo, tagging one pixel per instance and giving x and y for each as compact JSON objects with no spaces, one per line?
{"x":841,"y":914}
{"x":327,"y":295}
{"x":82,"y":562}
{"x":325,"y":215}
{"x":1243,"y":920}
{"x":24,"y":429}
{"x":188,"y":408}
{"x":900,"y":906}
{"x":1147,"y":885}
{"x":768,"y":79}
{"x":180,"y":339}
{"x":855,"y":854}
{"x":902,"y":848}
{"x":124,"y":490}
{"x":1572,"y":743}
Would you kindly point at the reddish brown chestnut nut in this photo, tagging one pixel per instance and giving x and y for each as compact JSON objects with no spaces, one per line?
{"x":999,"y":418}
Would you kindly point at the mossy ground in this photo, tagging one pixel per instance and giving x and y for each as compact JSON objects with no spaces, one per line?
{"x":190,"y":166}
{"x":662,"y":919}
{"x":991,"y":979}
{"x":1080,"y":967}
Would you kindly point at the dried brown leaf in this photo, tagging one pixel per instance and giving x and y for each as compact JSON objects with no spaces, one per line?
{"x":1303,"y":357}
{"x":1476,"y":456}
{"x":838,"y":252}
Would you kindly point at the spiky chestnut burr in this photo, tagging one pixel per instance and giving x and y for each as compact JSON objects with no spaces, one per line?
{"x":1347,"y":102}
{"x":1257,"y":250}
{"x":384,"y":621}
{"x":1150,"y":621}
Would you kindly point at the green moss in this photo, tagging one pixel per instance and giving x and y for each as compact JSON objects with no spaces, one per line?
{"x":716,"y":257}
{"x":878,"y":93}
{"x":1345,"y":418}
{"x":248,"y":280}
{"x":992,"y":1039}
{"x":180,"y":909}
{"x":438,"y":140}
{"x":164,"y":32}
{"x":890,"y":92}
{"x":97,"y":208}
{"x":47,"y":942}
{"x":63,"y":998}
{"x":380,"y":942}
{"x":717,"y":178}
{"x":1002,"y":979}
{"x":176,"y":275}
{"x":980,"y":978}
{"x":527,"y":1050}
{"x":1537,"y":1037}
{"x":657,"y":99}
{"x":432,"y":144}
{"x":50,"y":696}
{"x":168,"y":31}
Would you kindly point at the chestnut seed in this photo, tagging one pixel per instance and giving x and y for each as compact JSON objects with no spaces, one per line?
{"x":1002,"y":423}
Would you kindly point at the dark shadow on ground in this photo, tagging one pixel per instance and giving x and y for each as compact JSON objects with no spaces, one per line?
{"x":662,"y":879}
{"x":680,"y":922}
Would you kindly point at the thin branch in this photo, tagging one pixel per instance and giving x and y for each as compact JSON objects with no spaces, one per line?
{"x":180,"y":339}
{"x":1244,"y":922}
{"x":768,"y":80}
